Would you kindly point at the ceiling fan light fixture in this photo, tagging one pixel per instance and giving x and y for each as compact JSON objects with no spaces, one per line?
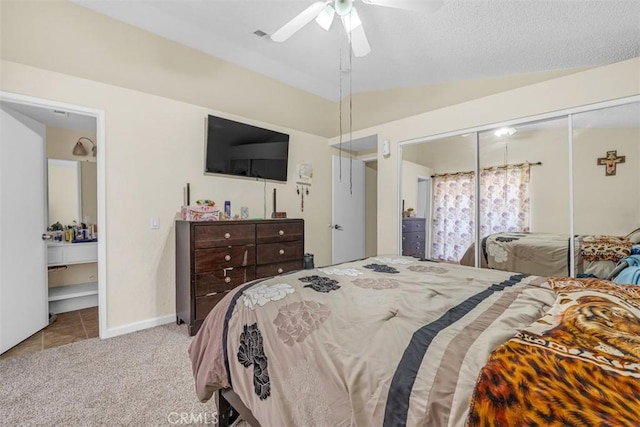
{"x":505,"y":132}
{"x":343,"y":7}
{"x":325,"y":17}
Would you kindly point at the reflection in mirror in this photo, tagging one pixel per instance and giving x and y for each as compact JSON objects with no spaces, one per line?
{"x":606,"y":176}
{"x":524,"y":198}
{"x":64,"y":191}
{"x":438,"y":187}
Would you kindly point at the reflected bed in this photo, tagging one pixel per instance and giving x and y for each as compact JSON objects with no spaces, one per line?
{"x":546,"y":254}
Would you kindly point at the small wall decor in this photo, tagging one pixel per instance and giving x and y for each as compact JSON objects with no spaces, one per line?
{"x":611,"y":161}
{"x":304,"y":173}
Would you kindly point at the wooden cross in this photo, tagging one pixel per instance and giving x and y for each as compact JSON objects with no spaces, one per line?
{"x":610,"y":161}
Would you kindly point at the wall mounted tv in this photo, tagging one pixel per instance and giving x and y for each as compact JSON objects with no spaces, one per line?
{"x":239,"y":149}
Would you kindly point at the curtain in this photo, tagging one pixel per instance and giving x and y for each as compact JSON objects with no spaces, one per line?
{"x":504,"y":206}
{"x":504,"y":199}
{"x":453,"y":215}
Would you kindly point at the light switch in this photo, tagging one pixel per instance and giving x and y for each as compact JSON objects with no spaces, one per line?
{"x":155,"y":222}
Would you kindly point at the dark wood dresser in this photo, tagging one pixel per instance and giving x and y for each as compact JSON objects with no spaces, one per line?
{"x":214,"y":257}
{"x":413,"y":237}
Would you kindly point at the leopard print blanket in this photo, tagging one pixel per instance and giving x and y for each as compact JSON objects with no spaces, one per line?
{"x":579,"y":365}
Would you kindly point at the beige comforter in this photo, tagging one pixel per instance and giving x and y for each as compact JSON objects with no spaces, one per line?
{"x":384,"y":341}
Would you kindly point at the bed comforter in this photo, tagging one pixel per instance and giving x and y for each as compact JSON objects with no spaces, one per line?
{"x":386,"y":341}
{"x":546,"y":254}
{"x":579,"y":365}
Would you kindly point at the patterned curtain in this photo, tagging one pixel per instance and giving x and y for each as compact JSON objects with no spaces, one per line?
{"x":504,"y":199}
{"x":504,"y":206}
{"x":453,"y":215}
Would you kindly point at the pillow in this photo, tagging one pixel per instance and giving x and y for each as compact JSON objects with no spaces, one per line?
{"x":634,"y":236}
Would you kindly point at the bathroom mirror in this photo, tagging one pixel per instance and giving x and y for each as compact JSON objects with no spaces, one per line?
{"x":71,"y":191}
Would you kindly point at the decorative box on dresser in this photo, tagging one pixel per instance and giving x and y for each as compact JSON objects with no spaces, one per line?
{"x":214,"y":257}
{"x":413,"y":237}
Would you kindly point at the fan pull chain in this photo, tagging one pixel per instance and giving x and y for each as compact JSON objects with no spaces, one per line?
{"x":340,"y":112}
{"x":350,"y":111}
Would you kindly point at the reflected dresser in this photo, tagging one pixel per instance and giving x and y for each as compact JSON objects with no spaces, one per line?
{"x":413,"y":237}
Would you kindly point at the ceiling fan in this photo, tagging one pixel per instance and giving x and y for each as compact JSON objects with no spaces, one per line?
{"x":324,"y":12}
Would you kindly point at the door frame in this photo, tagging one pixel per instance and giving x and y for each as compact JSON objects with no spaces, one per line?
{"x":99,"y":115}
{"x":427,"y":213}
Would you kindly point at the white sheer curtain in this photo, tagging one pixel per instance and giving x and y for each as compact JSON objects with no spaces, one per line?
{"x":504,"y":199}
{"x":453,"y":215}
{"x":504,"y":206}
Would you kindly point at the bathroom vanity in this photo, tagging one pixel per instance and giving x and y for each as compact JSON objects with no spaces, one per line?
{"x":61,"y":256}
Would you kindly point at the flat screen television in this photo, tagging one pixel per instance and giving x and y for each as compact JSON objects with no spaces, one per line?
{"x":239,"y":149}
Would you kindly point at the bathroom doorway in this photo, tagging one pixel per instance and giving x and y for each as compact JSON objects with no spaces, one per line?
{"x":73,"y":289}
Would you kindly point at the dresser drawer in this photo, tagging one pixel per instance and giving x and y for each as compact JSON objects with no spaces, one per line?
{"x":219,"y":258}
{"x":220,"y":235}
{"x":206,"y":303}
{"x":222,"y":280}
{"x":279,"y":231}
{"x":412,"y":225}
{"x":277,"y":252}
{"x":412,"y":238}
{"x":413,"y":248}
{"x":278,"y":268}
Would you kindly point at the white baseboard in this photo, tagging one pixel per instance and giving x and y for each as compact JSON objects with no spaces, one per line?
{"x":137,"y":326}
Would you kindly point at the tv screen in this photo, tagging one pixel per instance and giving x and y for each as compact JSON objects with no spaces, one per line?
{"x":239,"y":149}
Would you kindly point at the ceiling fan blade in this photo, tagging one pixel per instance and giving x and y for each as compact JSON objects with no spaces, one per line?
{"x":302,"y":19}
{"x":351,"y":20}
{"x":429,"y":6}
{"x":359,"y":42}
{"x":325,"y":17}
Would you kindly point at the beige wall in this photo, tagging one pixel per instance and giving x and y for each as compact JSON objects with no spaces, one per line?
{"x":410,"y":173}
{"x":60,"y":143}
{"x":606,"y":204}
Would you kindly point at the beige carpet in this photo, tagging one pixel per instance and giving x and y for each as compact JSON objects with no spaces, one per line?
{"x":139,"y":379}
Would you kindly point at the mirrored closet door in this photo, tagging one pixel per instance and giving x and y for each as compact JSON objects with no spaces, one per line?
{"x":606,"y":185}
{"x":510,"y":197}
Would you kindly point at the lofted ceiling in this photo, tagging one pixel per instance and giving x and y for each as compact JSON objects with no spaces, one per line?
{"x":462,"y":40}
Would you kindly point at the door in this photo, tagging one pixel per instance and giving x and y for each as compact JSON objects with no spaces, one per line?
{"x":347,"y":240}
{"x":23,"y":269}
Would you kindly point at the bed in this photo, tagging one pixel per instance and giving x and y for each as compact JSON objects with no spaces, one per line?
{"x":545,"y":254}
{"x":394,"y":341}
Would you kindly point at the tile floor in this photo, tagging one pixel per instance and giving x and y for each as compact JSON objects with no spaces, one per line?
{"x":68,"y":327}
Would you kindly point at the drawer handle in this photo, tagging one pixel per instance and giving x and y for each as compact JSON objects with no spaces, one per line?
{"x":281,"y":251}
{"x":211,"y":294}
{"x":280,"y":271}
{"x":227,"y":257}
{"x":281,"y":232}
{"x":227,"y":235}
{"x":227,"y":279}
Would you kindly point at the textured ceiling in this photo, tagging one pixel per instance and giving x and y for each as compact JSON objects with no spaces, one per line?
{"x":463,"y":40}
